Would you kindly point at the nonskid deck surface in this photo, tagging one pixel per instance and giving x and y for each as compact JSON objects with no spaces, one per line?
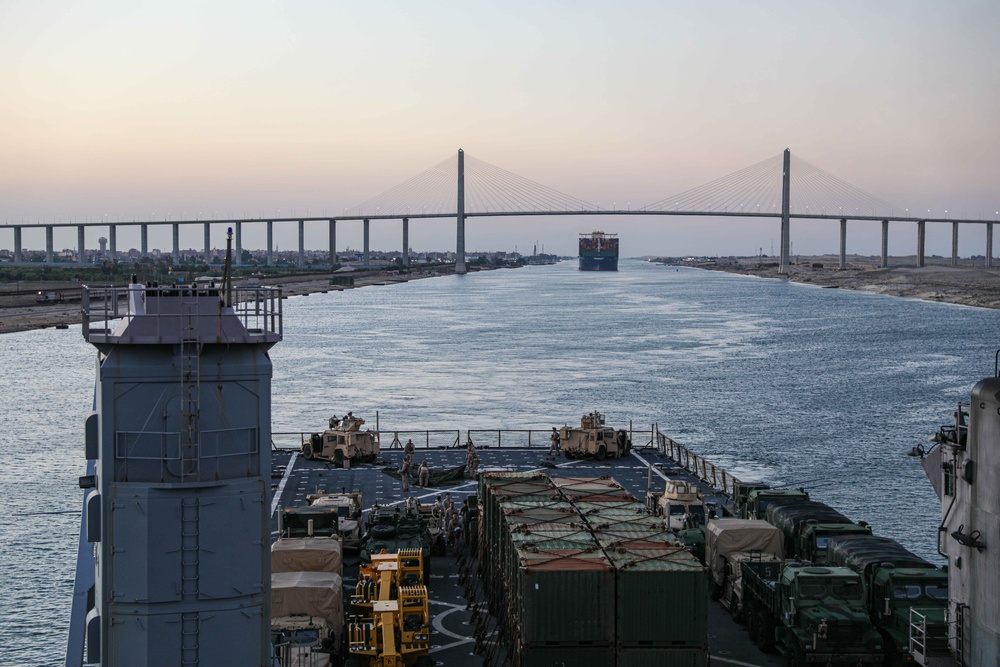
{"x":451,"y":637}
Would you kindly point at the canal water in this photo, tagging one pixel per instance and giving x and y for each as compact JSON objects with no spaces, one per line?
{"x":785,"y":383}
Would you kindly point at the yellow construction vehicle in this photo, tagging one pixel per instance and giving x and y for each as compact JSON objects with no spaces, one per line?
{"x":389,"y":625}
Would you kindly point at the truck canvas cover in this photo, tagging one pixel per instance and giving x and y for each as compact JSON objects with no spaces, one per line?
{"x":318,"y":594}
{"x":308,"y":554}
{"x":726,"y":536}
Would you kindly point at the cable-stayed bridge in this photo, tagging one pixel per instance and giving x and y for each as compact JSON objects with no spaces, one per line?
{"x":782,"y":187}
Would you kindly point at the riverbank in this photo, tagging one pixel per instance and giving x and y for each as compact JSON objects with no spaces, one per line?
{"x":20,"y":311}
{"x":966,"y":284}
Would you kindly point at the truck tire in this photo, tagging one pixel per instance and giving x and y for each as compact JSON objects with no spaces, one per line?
{"x":734,"y":609}
{"x":714,"y":591}
{"x":765,"y":631}
{"x":307,"y":452}
{"x":602,"y":453}
{"x":752,"y":622}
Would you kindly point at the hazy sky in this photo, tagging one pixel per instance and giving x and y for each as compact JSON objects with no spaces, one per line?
{"x":134,"y":108}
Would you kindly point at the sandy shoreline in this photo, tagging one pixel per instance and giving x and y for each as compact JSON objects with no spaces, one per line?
{"x":22,"y":313}
{"x":966,"y":285}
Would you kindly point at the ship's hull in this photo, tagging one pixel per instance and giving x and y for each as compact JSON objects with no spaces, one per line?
{"x":599,"y":263}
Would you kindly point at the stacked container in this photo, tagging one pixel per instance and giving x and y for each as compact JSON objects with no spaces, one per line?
{"x":577,"y":569}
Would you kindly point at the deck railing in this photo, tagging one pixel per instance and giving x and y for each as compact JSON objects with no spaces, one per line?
{"x":707,"y":471}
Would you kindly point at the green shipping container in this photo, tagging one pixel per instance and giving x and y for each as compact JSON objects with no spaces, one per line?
{"x":565,"y":596}
{"x":566,"y":656}
{"x":663,"y":657}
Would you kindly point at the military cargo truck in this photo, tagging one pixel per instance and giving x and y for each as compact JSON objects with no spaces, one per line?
{"x":790,"y":517}
{"x":741,"y":496}
{"x":309,"y":521}
{"x":814,"y":537}
{"x":348,"y":508}
{"x":897,"y":582}
{"x":728,"y":543}
{"x":594,"y":439}
{"x":758,"y":500}
{"x":812,"y":614}
{"x":343,"y":443}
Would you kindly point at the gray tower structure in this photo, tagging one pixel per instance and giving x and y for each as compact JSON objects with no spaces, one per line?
{"x":177,"y":502}
{"x":965,"y":473}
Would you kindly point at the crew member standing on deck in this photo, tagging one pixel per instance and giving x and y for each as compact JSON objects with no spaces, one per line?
{"x":423,"y":474}
{"x":555,"y":440}
{"x":404,"y":474}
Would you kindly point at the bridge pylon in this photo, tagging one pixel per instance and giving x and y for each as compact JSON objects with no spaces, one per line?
{"x":460,"y":216}
{"x":785,"y":199}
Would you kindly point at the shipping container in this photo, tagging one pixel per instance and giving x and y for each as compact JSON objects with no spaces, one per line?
{"x":663,"y":657}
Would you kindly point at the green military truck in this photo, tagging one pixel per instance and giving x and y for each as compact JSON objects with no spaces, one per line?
{"x":758,"y":500}
{"x":812,"y":614}
{"x":815,"y":536}
{"x":898,"y":583}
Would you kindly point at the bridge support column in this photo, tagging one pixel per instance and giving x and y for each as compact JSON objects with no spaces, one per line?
{"x":18,"y":252}
{"x":144,"y":240}
{"x":406,"y":241}
{"x":785,"y":226}
{"x":177,"y":243}
{"x":208,"y":243}
{"x":113,"y":242}
{"x":989,"y":245}
{"x":843,"y":243}
{"x":333,"y":243}
{"x":81,"y":244}
{"x":302,"y":242}
{"x":49,"y":256}
{"x":885,"y":243}
{"x":954,"y":244}
{"x":238,"y":260}
{"x":367,"y":256}
{"x":270,"y":242}
{"x":460,"y":242}
{"x":921,"y":240}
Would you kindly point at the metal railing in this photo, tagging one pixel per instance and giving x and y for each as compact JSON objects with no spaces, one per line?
{"x":160,"y":318}
{"x":493,"y":438}
{"x":929,"y":637}
{"x":704,"y":469}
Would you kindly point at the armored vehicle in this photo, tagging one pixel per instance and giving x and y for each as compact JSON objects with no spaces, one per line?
{"x":348,"y":508}
{"x":390,"y":529}
{"x":594,"y":439}
{"x":343,"y":443}
{"x":680,"y":503}
{"x":812,"y":614}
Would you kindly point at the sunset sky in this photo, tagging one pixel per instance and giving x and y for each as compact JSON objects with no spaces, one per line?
{"x":218,"y":109}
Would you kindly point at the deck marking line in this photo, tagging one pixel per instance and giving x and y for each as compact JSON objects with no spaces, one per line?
{"x":734,"y":662}
{"x":281,"y":485}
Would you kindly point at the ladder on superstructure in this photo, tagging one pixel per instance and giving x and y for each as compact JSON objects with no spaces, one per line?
{"x":190,"y":359}
{"x":190,"y":462}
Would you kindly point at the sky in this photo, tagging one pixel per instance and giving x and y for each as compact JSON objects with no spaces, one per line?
{"x":130,"y":110}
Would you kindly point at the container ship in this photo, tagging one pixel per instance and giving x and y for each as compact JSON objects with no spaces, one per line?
{"x":598,"y":252}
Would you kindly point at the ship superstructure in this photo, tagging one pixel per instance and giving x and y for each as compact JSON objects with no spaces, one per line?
{"x":964,"y":468}
{"x":174,"y":564}
{"x":598,"y":252}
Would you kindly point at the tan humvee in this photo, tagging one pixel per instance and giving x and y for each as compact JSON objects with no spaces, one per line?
{"x":344,"y":441}
{"x":595,"y":439}
{"x":680,"y":503}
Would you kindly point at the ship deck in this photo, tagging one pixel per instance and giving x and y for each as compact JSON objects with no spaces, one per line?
{"x":451,"y":638}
